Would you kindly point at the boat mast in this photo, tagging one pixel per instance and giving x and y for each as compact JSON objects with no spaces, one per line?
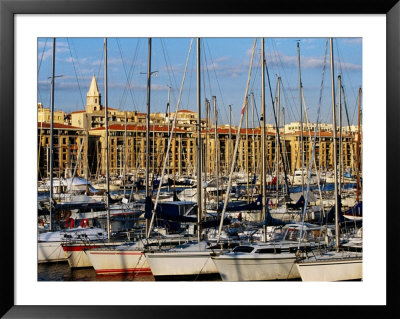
{"x":264,"y":191}
{"x":125,"y":155}
{"x":358,"y":145}
{"x":337,"y":229}
{"x":254,"y":145}
{"x":230,"y":137}
{"x":246,"y":150}
{"x":168,"y":112}
{"x":341,"y":168}
{"x":148,"y":117}
{"x":301,"y":121}
{"x":199,"y":175}
{"x":228,"y":189}
{"x":148,"y":127}
{"x":106,"y":128}
{"x":278,"y":104}
{"x":216,"y":149}
{"x":51,"y":135}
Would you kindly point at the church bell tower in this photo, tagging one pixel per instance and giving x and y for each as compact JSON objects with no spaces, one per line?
{"x":93,"y":97}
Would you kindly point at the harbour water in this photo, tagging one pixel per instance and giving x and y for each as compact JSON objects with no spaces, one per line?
{"x":61,"y":271}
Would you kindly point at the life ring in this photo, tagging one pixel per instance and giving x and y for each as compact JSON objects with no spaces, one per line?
{"x":84,"y":223}
{"x":70,"y":223}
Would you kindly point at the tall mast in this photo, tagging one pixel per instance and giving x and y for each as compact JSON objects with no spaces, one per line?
{"x":337,"y":229}
{"x":199,"y":175}
{"x":125,"y":155}
{"x":277,"y":139}
{"x":246,"y":150}
{"x":51,"y":135}
{"x":230,"y":137}
{"x":216,"y":147}
{"x":358,"y":145}
{"x":148,"y":117}
{"x":284,"y":139}
{"x":228,"y":189}
{"x":254,"y":142}
{"x":106,"y":129}
{"x":264,"y":191}
{"x":341,"y":166}
{"x":206,"y":159}
{"x":301,"y":121}
{"x":168,"y":111}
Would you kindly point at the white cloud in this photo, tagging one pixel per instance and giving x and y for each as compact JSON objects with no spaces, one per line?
{"x":307,"y":62}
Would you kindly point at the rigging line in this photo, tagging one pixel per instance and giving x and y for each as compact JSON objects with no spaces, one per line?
{"x":169,"y":141}
{"x":207,"y":71}
{"x":257,"y":66}
{"x":279,"y":139}
{"x":255,"y":108}
{"x":285,"y":77}
{"x":129,"y":84}
{"x":76,"y":75}
{"x":290,"y":114}
{"x":344,"y":70}
{"x":169,"y":68}
{"x":190,"y":81}
{"x":233,"y":158}
{"x":41,"y":58}
{"x":219,"y":86}
{"x":203,"y":55}
{"x":315,"y":142}
{"x":38,"y":71}
{"x":101,"y":62}
{"x":345,"y":106}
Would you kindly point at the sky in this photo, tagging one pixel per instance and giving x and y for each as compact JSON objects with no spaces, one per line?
{"x":225,"y":64}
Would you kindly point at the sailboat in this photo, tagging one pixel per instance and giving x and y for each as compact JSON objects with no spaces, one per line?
{"x":130,"y":257}
{"x":49,"y":242}
{"x":336,"y":265}
{"x":272,"y":260}
{"x":194,"y":258}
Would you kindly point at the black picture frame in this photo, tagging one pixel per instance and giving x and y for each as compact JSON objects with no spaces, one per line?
{"x":8,"y":10}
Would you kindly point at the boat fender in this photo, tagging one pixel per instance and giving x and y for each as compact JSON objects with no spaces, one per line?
{"x":84,"y":223}
{"x":70,"y":223}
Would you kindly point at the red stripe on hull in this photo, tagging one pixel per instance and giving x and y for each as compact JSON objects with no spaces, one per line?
{"x":77,"y":248}
{"x":115,"y":253}
{"x":122,"y":271}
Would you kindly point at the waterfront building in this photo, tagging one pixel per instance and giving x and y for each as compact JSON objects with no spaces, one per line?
{"x":69,"y":149}
{"x":79,"y":139}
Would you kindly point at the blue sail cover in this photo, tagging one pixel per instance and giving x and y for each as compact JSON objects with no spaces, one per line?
{"x":81,"y":206}
{"x":298,"y":205}
{"x":330,"y":217}
{"x":168,"y":211}
{"x":256,"y":205}
{"x":271,"y":221}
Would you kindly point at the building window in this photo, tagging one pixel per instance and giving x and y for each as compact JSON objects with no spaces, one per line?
{"x":95,"y":100}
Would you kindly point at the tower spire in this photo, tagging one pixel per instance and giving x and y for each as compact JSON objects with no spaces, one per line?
{"x":93,"y":97}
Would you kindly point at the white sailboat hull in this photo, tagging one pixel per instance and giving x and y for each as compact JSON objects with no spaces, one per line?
{"x":76,"y":256}
{"x":107,"y":262}
{"x":50,"y":252}
{"x":181,"y":263}
{"x":331,"y":269}
{"x":254,"y":268}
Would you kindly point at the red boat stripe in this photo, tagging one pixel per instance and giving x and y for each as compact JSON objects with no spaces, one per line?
{"x":77,"y":248}
{"x":122,"y":270}
{"x":114,"y":253}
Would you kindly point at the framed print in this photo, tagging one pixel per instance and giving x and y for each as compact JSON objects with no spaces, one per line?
{"x":26,"y":31}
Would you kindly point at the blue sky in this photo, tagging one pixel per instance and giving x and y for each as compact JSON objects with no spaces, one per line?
{"x":225,"y":66}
